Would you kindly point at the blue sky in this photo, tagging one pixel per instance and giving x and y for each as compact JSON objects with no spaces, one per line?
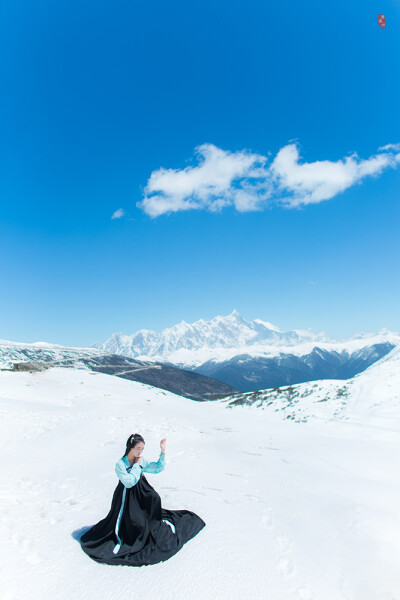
{"x":100,"y":98}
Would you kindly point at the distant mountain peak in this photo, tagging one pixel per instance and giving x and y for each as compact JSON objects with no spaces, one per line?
{"x":230,"y":331}
{"x":235,"y":315}
{"x":384,"y":332}
{"x":223,"y":337}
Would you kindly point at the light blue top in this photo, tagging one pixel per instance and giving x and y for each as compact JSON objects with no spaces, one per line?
{"x":131,"y":475}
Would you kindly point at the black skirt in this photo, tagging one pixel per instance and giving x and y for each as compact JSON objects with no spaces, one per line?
{"x":137,"y":534}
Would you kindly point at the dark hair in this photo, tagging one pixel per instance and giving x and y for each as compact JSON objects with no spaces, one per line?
{"x":132,"y":441}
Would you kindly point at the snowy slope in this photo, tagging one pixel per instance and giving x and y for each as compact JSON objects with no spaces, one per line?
{"x":20,"y":356}
{"x":293,"y":511}
{"x":373,"y":395}
{"x":11,"y":352}
{"x":376,"y":392}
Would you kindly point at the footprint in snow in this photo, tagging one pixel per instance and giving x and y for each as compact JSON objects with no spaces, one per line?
{"x":267,"y":520}
{"x":252,"y":453}
{"x":25,"y":544}
{"x":285,"y":544}
{"x":229,"y":429}
{"x":34,"y":558}
{"x":254,"y":498}
{"x":286,"y":567}
{"x":304,"y":594}
{"x":70,"y":501}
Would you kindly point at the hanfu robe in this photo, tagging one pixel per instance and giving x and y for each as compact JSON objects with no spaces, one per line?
{"x":137,"y":530}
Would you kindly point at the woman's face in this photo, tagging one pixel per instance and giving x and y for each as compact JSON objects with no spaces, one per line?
{"x":138,"y":449}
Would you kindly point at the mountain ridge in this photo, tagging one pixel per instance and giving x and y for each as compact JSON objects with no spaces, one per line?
{"x":221,"y":338}
{"x":16,"y":356}
{"x":372,"y":396}
{"x":254,"y":355}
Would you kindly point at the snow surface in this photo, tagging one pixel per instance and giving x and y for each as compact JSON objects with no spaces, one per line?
{"x":293,"y":511}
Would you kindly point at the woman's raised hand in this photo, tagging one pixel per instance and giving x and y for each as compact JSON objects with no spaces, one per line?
{"x":162,"y":445}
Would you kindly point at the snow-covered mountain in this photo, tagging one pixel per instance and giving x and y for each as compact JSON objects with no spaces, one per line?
{"x":40,"y":355}
{"x":372,"y":396}
{"x":250,"y":373}
{"x":13,"y":352}
{"x":254,"y":355}
{"x":192,"y":344}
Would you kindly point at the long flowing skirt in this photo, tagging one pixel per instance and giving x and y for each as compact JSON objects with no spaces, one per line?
{"x":134,"y":532}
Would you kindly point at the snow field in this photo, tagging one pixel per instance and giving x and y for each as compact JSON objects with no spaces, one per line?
{"x":293,"y":511}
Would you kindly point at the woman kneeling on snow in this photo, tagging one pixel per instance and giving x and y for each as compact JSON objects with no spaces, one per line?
{"x":137,"y":530}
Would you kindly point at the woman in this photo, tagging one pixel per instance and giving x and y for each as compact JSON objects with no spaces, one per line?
{"x":137,"y":530}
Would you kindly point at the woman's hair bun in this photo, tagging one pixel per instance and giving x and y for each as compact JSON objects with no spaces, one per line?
{"x":133,"y":440}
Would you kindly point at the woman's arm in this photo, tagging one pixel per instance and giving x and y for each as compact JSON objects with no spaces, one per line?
{"x":154,"y":467}
{"x":128,"y":479}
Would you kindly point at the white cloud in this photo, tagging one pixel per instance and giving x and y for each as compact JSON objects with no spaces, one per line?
{"x":390,"y":147}
{"x":244,"y":180}
{"x":119,"y":214}
{"x":222,"y":178}
{"x":310,"y":183}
